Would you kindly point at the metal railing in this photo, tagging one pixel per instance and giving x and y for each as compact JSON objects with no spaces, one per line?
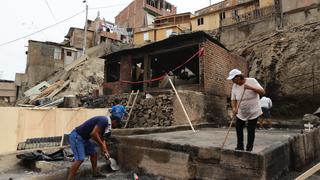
{"x":249,"y":16}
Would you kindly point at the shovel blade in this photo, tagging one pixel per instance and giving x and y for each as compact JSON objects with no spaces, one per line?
{"x":114,"y":165}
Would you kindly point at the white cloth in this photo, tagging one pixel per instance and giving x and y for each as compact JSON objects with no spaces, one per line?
{"x":266,"y":102}
{"x":250,"y":107}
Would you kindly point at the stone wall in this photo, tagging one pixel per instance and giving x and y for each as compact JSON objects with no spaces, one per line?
{"x":163,"y":108}
{"x":156,"y":111}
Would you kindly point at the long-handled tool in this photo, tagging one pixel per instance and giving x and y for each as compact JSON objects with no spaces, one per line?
{"x":233,"y":117}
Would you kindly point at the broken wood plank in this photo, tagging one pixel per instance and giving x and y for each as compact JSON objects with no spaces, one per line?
{"x":56,"y":91}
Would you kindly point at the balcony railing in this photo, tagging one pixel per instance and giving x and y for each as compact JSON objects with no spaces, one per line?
{"x":249,"y":16}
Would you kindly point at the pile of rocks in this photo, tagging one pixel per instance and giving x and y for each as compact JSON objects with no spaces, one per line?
{"x":149,"y":110}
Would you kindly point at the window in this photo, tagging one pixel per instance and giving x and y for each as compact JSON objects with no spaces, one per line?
{"x":146,"y":36}
{"x":200,"y":21}
{"x":235,"y":13}
{"x":222,"y":15}
{"x":57,"y":53}
{"x":168,"y":32}
{"x":69,"y":53}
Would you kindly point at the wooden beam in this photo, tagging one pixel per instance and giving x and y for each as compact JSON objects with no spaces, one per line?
{"x":309,"y":173}
{"x":146,"y":71}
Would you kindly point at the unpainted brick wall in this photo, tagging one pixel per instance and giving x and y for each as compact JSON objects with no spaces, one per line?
{"x":125,"y":75}
{"x":217,"y":62}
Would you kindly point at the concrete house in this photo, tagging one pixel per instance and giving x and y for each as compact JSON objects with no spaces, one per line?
{"x":163,"y":27}
{"x":195,"y":62}
{"x":230,"y":12}
{"x":44,"y":58}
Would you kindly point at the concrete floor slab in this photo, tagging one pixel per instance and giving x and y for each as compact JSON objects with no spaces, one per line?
{"x":198,"y":154}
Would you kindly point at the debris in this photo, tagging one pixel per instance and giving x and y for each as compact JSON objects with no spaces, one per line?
{"x":135,"y":176}
{"x":310,"y":118}
{"x":317,"y":112}
{"x":37,"y":89}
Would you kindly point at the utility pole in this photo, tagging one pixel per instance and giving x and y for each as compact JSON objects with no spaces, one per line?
{"x":85,"y":30}
{"x":209,"y":2}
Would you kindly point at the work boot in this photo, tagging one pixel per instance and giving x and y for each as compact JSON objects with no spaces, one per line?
{"x":249,"y":148}
{"x":239,"y":149}
{"x":98,"y":175}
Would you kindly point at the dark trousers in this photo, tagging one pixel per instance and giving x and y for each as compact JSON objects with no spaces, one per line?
{"x":250,"y":131}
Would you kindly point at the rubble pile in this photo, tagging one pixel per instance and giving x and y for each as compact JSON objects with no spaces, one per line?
{"x":80,"y":78}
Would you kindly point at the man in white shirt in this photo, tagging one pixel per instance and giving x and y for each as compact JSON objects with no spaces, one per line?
{"x":266,"y":105}
{"x":245,"y":106}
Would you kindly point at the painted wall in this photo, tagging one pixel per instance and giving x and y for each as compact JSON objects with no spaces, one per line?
{"x":18,"y":124}
{"x":266,"y":3}
{"x":166,"y":32}
{"x":210,"y":22}
{"x":139,"y":37}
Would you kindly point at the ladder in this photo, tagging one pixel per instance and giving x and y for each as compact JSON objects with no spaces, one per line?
{"x":132,"y":97}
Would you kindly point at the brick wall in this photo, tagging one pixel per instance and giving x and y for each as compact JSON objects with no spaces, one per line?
{"x":125,"y":75}
{"x":133,"y":15}
{"x":217,"y":62}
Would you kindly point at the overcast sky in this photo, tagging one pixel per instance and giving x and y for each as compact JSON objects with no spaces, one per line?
{"x":21,"y":18}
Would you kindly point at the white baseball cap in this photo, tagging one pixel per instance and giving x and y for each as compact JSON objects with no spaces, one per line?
{"x":233,"y":73}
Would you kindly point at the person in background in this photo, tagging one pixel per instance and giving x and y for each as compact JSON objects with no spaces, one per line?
{"x":97,"y":128}
{"x":266,"y":105}
{"x":245,"y":106}
{"x":118,"y":111}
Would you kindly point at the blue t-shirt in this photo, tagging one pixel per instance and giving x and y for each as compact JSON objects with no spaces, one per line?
{"x":86,"y":128}
{"x":118,"y":111}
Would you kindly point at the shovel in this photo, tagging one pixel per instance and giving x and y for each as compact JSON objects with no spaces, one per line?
{"x":113,"y":163}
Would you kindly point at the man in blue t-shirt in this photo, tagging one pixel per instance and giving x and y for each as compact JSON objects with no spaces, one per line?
{"x":94,"y":128}
{"x":118,"y":111}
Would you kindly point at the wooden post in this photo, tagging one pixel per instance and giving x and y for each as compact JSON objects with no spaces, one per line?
{"x":184,"y":110}
{"x":146,"y":71}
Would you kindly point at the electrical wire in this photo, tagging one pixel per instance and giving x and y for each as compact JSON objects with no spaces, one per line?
{"x":51,"y":12}
{"x":104,"y":7}
{"x":8,"y":42}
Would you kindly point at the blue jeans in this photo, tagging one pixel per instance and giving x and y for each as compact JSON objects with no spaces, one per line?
{"x":81,"y":147}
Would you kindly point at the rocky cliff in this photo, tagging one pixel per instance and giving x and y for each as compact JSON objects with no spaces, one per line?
{"x":287,"y":63}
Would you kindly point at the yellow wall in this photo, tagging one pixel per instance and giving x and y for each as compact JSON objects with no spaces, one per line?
{"x":139,"y":37}
{"x":266,"y":3}
{"x":162,"y":33}
{"x":210,"y":22}
{"x":19,"y":124}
